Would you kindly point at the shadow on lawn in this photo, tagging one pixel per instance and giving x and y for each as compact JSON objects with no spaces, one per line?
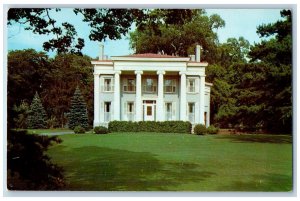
{"x":105,"y":169}
{"x":262,"y":183}
{"x":276,"y":139}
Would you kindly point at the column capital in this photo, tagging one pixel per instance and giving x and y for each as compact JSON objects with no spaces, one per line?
{"x":96,"y":73}
{"x":161,"y":72}
{"x":182,"y":73}
{"x":138,"y":72}
{"x":118,"y":72}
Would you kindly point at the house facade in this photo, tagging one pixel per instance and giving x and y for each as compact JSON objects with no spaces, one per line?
{"x":150,"y":87}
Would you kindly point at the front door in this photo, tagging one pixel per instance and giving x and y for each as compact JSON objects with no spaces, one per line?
{"x":149,"y":112}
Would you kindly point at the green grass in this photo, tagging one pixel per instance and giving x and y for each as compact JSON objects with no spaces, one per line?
{"x":175,"y":162}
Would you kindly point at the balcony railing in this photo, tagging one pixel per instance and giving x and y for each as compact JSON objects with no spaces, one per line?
{"x":107,"y":116}
{"x":149,"y":89}
{"x":191,"y":117}
{"x":170,"y":89}
{"x":129,"y":88}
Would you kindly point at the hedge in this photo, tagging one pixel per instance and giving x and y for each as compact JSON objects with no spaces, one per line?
{"x":150,"y":126}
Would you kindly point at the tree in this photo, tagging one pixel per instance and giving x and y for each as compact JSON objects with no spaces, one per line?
{"x":28,"y":165}
{"x":28,"y":72}
{"x":180,"y":38}
{"x":261,"y":88}
{"x":104,"y":23}
{"x":22,"y":113}
{"x":275,"y":54}
{"x":68,"y":71}
{"x":37,"y":114}
{"x":78,"y":111}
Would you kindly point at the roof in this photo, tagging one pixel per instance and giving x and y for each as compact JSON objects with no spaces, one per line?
{"x":151,"y":55}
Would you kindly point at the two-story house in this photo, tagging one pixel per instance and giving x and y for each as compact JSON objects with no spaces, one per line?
{"x":151,"y":87}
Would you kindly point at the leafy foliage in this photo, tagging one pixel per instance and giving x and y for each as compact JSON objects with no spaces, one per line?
{"x":200,"y":129}
{"x":100,"y":130}
{"x":104,"y":23}
{"x":29,"y":168}
{"x":37,"y":115}
{"x":79,"y":130}
{"x":28,"y":73}
{"x":54,"y":79}
{"x":22,"y":112}
{"x":166,"y":35}
{"x":78,"y":111}
{"x":150,"y":126}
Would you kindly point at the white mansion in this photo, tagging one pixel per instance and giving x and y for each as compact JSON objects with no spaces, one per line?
{"x":150,"y":87}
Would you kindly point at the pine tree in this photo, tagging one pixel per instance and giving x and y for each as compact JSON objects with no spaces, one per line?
{"x":78,"y":112}
{"x":37,"y":114}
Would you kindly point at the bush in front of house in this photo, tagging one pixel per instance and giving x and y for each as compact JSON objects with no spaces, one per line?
{"x":212,"y":130}
{"x":150,"y":126}
{"x":79,"y":130}
{"x":200,"y":129}
{"x":100,"y":130}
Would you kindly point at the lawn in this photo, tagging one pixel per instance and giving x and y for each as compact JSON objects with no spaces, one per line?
{"x":175,"y":162}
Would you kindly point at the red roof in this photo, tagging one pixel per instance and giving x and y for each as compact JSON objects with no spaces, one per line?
{"x":151,"y":55}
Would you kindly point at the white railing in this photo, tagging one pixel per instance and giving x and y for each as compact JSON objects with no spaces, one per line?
{"x":150,"y":89}
{"x":130,"y":116}
{"x":129,"y":88}
{"x":191,"y":117}
{"x":170,"y":89}
{"x":107,"y":116}
{"x":168,"y":116}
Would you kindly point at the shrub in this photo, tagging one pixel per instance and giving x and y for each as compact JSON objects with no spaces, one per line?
{"x":212,"y":130}
{"x":100,"y":130}
{"x":200,"y":129}
{"x":79,"y":130}
{"x":150,"y":126}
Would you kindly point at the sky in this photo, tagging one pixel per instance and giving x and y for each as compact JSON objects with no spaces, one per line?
{"x":238,"y":22}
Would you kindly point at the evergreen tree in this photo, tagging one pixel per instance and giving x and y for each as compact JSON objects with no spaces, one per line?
{"x":78,"y":113}
{"x":37,"y":114}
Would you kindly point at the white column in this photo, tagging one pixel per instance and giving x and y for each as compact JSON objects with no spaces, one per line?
{"x":202,"y":96}
{"x":138,"y":96}
{"x":117,"y":96}
{"x":160,"y":98}
{"x":96,"y":99}
{"x":183,"y":96}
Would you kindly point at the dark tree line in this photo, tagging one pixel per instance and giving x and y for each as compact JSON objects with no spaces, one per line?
{"x":55,"y":80}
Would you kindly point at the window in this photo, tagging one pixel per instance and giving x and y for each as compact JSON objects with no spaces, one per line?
{"x":170,"y":85}
{"x":149,"y":85}
{"x":129,"y":85}
{"x":191,"y":85}
{"x":108,"y":84}
{"x":107,"y":111}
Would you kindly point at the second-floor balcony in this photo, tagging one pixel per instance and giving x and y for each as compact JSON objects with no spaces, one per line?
{"x":129,"y":88}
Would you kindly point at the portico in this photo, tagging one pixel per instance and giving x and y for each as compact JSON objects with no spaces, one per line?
{"x":150,"y":87}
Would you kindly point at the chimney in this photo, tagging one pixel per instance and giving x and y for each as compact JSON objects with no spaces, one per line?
{"x":192,"y":57}
{"x":198,"y":53}
{"x":101,"y":53}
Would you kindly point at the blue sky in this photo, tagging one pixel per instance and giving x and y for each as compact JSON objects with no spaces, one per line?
{"x":239,"y":22}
